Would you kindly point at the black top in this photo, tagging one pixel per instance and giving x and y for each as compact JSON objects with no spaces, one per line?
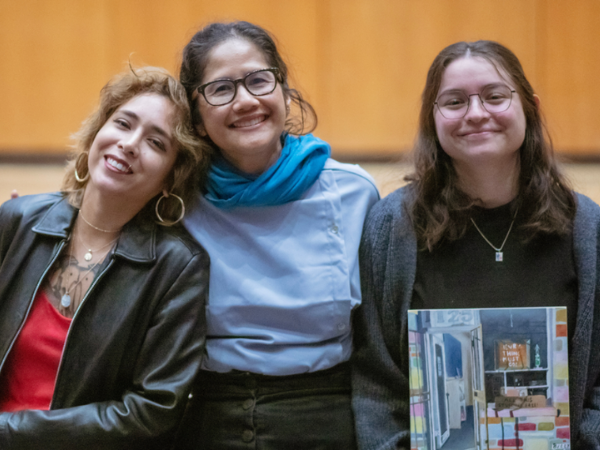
{"x":465,"y":273}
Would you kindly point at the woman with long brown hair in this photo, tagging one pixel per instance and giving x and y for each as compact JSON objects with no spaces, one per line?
{"x":486,"y":221}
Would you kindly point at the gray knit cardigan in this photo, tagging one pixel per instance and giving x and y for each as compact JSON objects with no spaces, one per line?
{"x":388,"y":258}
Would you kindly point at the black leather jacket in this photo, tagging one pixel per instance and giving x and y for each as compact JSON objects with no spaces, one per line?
{"x":134,"y":345}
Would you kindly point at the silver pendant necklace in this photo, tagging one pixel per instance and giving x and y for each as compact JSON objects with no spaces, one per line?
{"x":499,"y":252}
{"x":65,"y":300}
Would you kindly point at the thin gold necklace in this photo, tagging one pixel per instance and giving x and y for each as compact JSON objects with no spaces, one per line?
{"x":95,"y":227}
{"x":499,"y":253}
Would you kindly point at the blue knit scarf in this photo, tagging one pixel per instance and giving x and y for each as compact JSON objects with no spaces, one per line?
{"x":298,"y":167}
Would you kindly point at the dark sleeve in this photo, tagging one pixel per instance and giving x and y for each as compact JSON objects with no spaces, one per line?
{"x":380,"y":388}
{"x":589,"y":429}
{"x":9,"y":224}
{"x":587,"y":243}
{"x":149,"y":410}
{"x":589,"y":434}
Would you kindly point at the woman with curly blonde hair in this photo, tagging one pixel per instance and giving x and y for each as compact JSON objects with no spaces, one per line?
{"x":101,"y":309}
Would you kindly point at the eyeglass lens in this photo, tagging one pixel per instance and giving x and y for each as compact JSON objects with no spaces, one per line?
{"x":455,"y":104}
{"x":258,"y":83}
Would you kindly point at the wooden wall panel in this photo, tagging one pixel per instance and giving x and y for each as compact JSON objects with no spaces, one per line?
{"x":156,"y":30}
{"x":571,"y":96}
{"x":378,"y":53}
{"x":56,"y":54}
{"x":362,"y":63}
{"x":53,"y":60}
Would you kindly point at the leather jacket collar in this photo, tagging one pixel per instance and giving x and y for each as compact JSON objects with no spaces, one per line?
{"x":136,"y":243}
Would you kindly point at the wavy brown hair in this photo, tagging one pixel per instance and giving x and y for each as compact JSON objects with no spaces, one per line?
{"x":197,"y":53}
{"x":439,"y":209}
{"x":191,"y":163}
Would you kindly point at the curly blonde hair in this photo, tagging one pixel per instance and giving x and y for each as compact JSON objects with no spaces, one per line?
{"x":193,"y":154}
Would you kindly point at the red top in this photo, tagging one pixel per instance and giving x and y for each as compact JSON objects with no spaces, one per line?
{"x":29,"y":374}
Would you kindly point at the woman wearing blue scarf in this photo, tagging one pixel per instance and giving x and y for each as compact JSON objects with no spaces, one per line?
{"x":282,"y":224}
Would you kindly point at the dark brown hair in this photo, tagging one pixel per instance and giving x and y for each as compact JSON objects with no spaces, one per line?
{"x":197,"y":52}
{"x":440,"y":210}
{"x":191,"y":162}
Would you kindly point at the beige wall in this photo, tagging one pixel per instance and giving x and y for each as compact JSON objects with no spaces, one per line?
{"x":361,"y":62}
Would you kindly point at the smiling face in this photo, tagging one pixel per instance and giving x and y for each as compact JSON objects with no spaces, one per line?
{"x":247,"y":130}
{"x":133,"y":153}
{"x":480,"y":137}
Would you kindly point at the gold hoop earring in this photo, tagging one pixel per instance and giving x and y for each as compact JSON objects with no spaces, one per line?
{"x":168,"y":223}
{"x":77,"y":177}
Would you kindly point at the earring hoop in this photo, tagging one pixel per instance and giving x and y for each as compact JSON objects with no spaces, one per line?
{"x":168,"y":223}
{"x":77,"y":177}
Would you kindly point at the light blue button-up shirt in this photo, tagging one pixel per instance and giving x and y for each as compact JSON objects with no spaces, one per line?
{"x":284,"y":279}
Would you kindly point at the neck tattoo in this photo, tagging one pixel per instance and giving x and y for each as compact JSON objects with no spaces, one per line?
{"x":65,"y":300}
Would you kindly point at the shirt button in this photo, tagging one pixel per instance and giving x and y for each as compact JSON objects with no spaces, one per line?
{"x":191,"y":396}
{"x":334,"y":229}
{"x":341,"y":326}
{"x":247,"y":435}
{"x":248,"y":403}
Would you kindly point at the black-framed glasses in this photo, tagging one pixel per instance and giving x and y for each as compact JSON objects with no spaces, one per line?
{"x":260,"y":82}
{"x":455,"y":104}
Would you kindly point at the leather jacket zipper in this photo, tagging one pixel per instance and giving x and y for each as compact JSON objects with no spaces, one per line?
{"x":96,"y":280}
{"x":52,"y":261}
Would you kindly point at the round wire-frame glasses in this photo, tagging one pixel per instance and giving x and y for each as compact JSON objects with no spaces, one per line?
{"x":259,"y":82}
{"x":456,"y":104}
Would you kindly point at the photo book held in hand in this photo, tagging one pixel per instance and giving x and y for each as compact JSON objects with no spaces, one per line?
{"x":489,"y":379}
